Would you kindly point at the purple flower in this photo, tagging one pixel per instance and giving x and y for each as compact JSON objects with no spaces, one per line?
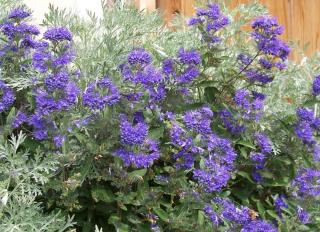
{"x":212,"y":215}
{"x":214,"y":177}
{"x":179,"y":136}
{"x":6,"y":97}
{"x":100,"y":93}
{"x":19,"y":13}
{"x":230,"y":123}
{"x":132,"y":134}
{"x":168,"y":66}
{"x":303,"y":215}
{"x":259,"y":226}
{"x":305,"y":114}
{"x":316,"y":86}
{"x":257,"y":157}
{"x":189,"y":57}
{"x":57,"y":81}
{"x":241,"y":99}
{"x":41,"y":59}
{"x":188,"y":75}
{"x":184,"y":159}
{"x":266,"y":31}
{"x":144,"y":159}
{"x":304,"y":132}
{"x":307,"y":183}
{"x":139,"y":56}
{"x":239,"y":215}
{"x":19,"y":119}
{"x":25,"y":28}
{"x":279,"y":204}
{"x":199,"y":120}
{"x":255,"y":75}
{"x":244,"y":58}
{"x":58,"y":140}
{"x":57,"y":34}
{"x":221,"y":150}
{"x":263,"y":142}
{"x":211,"y":17}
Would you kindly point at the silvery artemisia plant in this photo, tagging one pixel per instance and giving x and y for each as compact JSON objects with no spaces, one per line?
{"x":163,"y":142}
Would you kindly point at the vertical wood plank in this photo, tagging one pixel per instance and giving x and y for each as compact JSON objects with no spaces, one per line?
{"x":306,"y":24}
{"x":148,"y":5}
{"x":169,"y":8}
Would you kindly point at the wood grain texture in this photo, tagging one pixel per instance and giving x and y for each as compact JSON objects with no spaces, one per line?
{"x":299,"y":17}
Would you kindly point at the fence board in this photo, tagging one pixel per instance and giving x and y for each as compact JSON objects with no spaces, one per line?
{"x":299,"y":17}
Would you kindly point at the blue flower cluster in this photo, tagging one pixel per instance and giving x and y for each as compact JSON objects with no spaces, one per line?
{"x":248,"y":108}
{"x":306,"y":183}
{"x":184,"y":69}
{"x":20,"y":36}
{"x":265,"y":148}
{"x":239,"y":216}
{"x":210,"y":20}
{"x":6,"y":97}
{"x":272,"y":52}
{"x":100,"y":93}
{"x":133,"y":137}
{"x":280,"y":204}
{"x":308,"y":125}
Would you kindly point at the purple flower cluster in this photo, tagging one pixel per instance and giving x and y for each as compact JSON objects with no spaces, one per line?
{"x":100,"y":93}
{"x":58,"y":34}
{"x":231,"y":122}
{"x":212,"y":215}
{"x":272,"y":52}
{"x":59,"y":92}
{"x":199,"y":120}
{"x":6,"y":96}
{"x":19,"y":13}
{"x":266,"y":31}
{"x":139,"y":71}
{"x":133,"y":136}
{"x":279,"y":204}
{"x":43,"y":59}
{"x":265,"y":147}
{"x":179,"y":138}
{"x":303,"y":215}
{"x":307,"y":183}
{"x":249,"y":105}
{"x":316,"y":86}
{"x":218,"y":165}
{"x":228,"y":211}
{"x":308,"y":124}
{"x":184,"y":69}
{"x":259,"y":226}
{"x":20,"y":36}
{"x":210,"y":20}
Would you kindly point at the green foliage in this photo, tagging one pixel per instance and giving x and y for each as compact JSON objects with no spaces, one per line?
{"x":42,"y":184}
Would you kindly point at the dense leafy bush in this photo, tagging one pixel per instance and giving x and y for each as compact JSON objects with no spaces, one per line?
{"x":130,"y":126}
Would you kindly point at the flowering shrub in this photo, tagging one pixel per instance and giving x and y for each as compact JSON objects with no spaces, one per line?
{"x":158,"y":138}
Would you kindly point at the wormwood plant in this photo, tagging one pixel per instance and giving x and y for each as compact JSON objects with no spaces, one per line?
{"x":130,"y":126}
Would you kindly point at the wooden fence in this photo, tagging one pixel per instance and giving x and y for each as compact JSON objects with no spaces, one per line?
{"x":301,"y":18}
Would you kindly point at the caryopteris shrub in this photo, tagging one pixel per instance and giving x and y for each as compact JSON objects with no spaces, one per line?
{"x":129,"y":126}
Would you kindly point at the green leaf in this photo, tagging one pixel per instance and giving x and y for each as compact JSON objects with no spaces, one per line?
{"x":162,"y":214}
{"x":101,"y":194}
{"x":201,"y":217}
{"x":245,"y":175}
{"x":156,"y":133}
{"x":137,"y":174}
{"x":246,"y":144}
{"x":272,"y":214}
{"x":261,"y":209}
